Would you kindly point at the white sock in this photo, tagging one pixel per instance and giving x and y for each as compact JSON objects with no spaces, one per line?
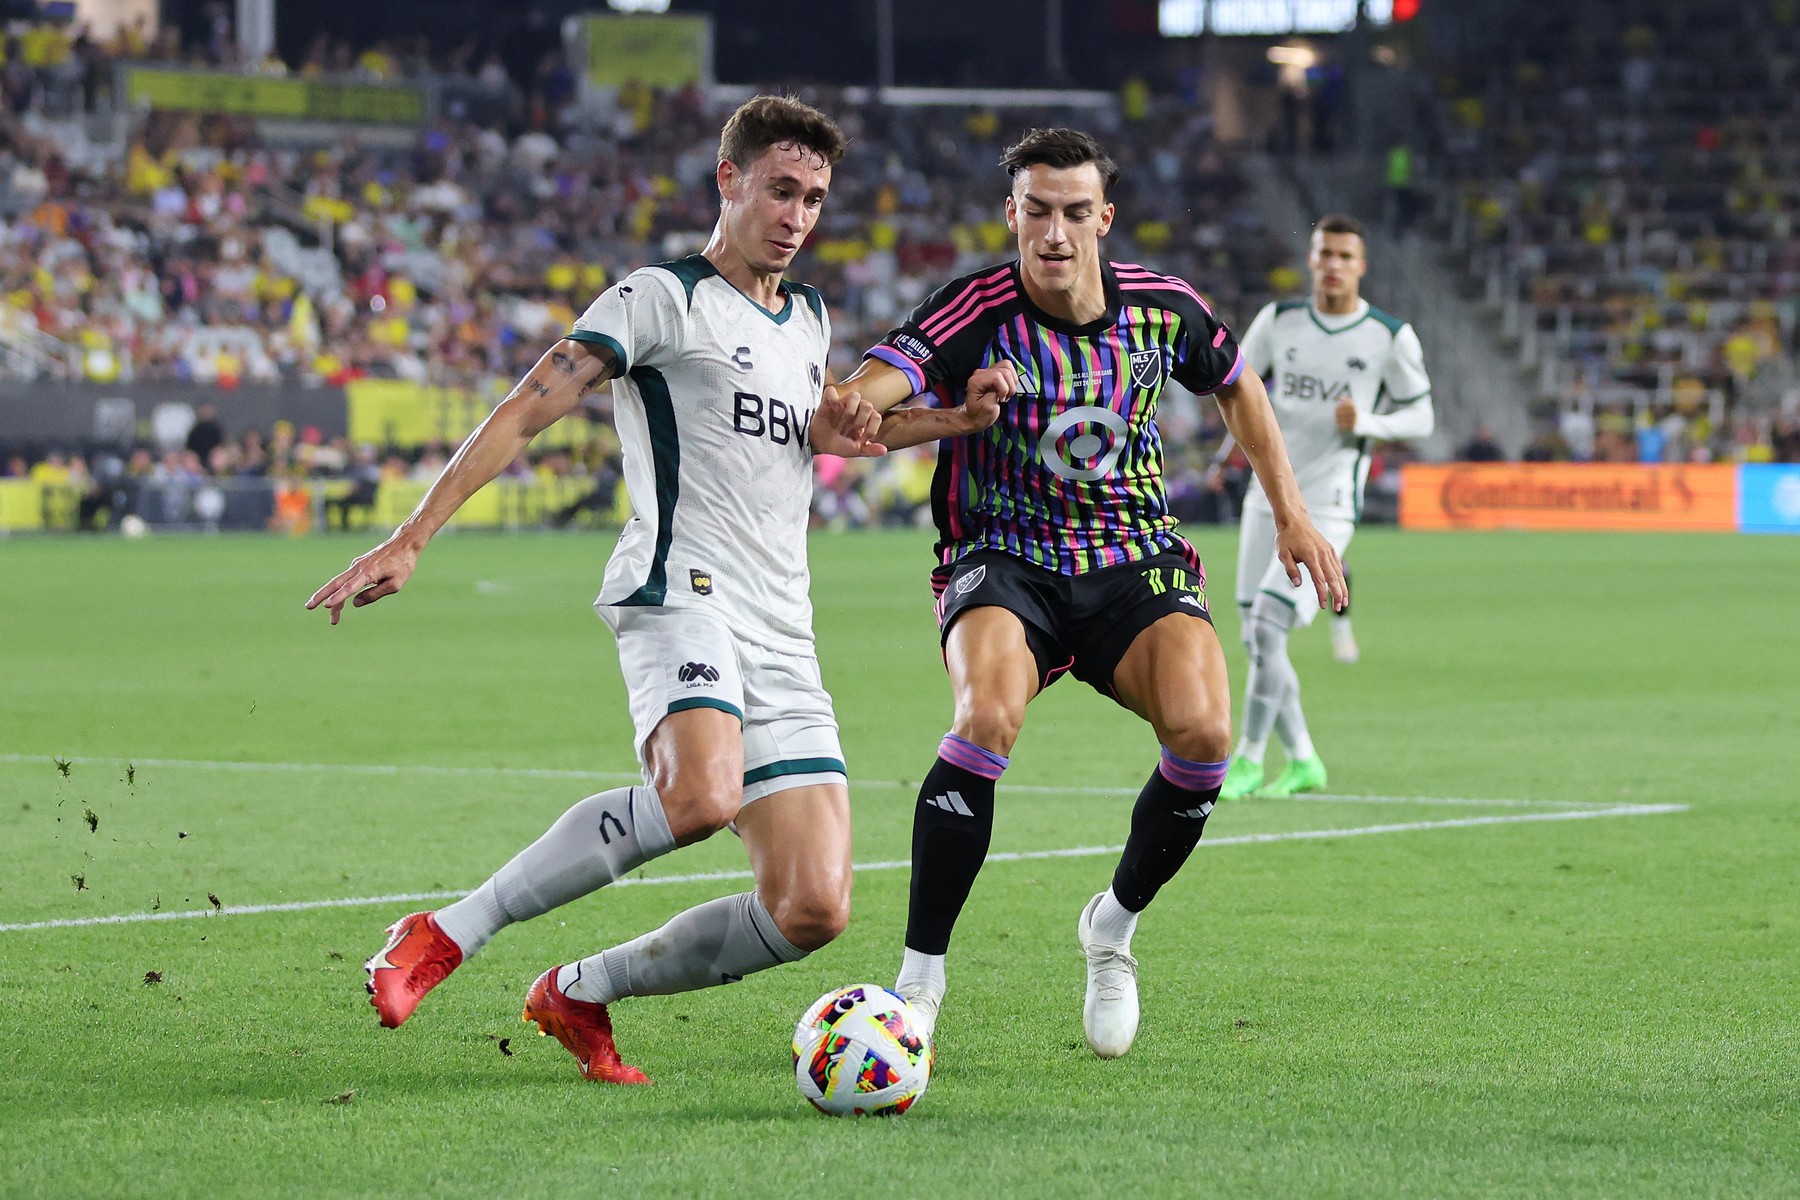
{"x":1271,"y":677}
{"x":1290,"y":725}
{"x":595,"y":842}
{"x":718,"y":942}
{"x":918,"y":969}
{"x":1340,"y":621}
{"x":1112,"y":923}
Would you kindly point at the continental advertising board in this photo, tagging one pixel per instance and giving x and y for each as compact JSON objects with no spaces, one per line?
{"x":1717,"y":498}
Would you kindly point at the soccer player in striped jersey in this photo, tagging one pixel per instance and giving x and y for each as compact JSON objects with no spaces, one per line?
{"x":1057,"y":551}
{"x":1341,"y":372}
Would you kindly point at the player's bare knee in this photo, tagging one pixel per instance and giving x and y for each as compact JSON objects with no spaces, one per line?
{"x":698,"y":806}
{"x":811,"y":919}
{"x":1198,"y":737}
{"x":991,"y":725}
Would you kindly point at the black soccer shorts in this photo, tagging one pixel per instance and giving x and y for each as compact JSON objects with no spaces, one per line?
{"x":1077,"y":623}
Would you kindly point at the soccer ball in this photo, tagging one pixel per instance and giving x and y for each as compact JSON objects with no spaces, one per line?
{"x":859,"y":1051}
{"x":133,"y":526}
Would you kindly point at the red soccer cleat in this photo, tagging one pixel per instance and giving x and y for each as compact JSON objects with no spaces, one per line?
{"x":584,"y":1029}
{"x":417,"y":957}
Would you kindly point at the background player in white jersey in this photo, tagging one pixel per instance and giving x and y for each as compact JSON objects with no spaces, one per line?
{"x":1340,"y":373}
{"x":717,"y":365}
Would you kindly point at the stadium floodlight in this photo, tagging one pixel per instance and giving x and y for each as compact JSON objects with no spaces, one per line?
{"x":638,"y":6}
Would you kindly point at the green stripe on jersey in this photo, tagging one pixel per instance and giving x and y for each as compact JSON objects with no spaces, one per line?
{"x":665,"y":457}
{"x":793,"y":766}
{"x":592,"y":338}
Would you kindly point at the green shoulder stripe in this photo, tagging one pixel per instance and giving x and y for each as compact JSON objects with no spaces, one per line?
{"x":1282,"y":306}
{"x":1393,"y":324}
{"x":690,"y":270}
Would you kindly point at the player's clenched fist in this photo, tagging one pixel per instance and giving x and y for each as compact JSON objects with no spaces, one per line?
{"x":988,"y":389}
{"x":845,"y":425}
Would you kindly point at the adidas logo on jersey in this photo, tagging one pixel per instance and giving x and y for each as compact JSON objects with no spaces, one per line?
{"x":952,"y":803}
{"x":1193,"y":600}
{"x":1198,"y":814}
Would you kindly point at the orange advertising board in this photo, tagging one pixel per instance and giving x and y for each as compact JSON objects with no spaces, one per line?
{"x":1568,"y":496}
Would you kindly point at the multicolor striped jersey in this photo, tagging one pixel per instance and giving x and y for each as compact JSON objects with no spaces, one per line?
{"x":1071,"y":475}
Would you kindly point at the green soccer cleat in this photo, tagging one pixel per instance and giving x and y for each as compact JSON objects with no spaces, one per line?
{"x":1300,"y":775}
{"x":1242,"y":778}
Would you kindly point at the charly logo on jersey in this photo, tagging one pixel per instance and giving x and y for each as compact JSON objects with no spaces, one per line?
{"x":704,"y":672}
{"x":1146,"y":366}
{"x":1083,"y":444}
{"x":700,"y":581}
{"x":912,"y":347}
{"x":971,"y":581}
{"x":741,"y":356}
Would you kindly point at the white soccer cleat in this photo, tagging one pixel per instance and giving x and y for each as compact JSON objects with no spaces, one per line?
{"x":1343,"y":641}
{"x":1110,"y":1012}
{"x":925,"y":1002}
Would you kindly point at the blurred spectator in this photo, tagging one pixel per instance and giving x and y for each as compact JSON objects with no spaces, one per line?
{"x":1482,"y":447}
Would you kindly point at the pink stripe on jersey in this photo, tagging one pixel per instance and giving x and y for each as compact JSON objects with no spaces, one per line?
{"x":903,"y":364}
{"x":1155,"y":284}
{"x":995,"y":299}
{"x":986,"y":286}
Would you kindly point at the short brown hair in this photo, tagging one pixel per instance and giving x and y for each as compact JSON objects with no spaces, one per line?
{"x":1061,"y":148}
{"x":764,"y":121}
{"x":1339,"y":223}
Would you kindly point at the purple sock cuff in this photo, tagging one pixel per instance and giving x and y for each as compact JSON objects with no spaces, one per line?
{"x":1193,"y":776}
{"x":970,"y":757}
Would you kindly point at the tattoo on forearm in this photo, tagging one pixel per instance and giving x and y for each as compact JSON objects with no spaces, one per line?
{"x":532,"y":385}
{"x":562,"y":362}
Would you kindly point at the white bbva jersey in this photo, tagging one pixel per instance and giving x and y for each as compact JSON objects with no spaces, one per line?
{"x":1310,"y":361}
{"x":712,"y":400}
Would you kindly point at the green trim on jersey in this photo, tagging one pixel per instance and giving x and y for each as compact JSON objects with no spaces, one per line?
{"x":665,"y":456}
{"x":1409,"y":399}
{"x":1394,"y":324}
{"x":1293,"y":604}
{"x":810,"y":294}
{"x":605,"y":340}
{"x":794,"y":766}
{"x":707,"y":702}
{"x":695,"y":267}
{"x":1284,"y":306}
{"x":1328,"y":330}
{"x":1356,"y":480}
{"x":690,"y":270}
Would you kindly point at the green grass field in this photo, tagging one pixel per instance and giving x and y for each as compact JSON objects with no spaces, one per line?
{"x":1531,"y":988}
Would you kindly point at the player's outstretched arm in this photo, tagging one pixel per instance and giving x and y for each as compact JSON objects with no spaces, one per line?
{"x":1251,"y":419}
{"x":550,"y":390}
{"x":903,"y":425}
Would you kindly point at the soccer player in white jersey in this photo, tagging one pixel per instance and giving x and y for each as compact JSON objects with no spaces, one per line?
{"x":1341,"y":373}
{"x":717,"y":364}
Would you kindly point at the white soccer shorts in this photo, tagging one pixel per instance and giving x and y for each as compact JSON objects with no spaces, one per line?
{"x":1259,"y":572}
{"x":675,"y":659}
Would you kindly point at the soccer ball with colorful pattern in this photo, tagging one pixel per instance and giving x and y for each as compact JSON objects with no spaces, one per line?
{"x":859,"y":1051}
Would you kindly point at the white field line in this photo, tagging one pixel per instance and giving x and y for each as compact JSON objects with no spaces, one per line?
{"x":391,"y":769}
{"x":1246,"y":839}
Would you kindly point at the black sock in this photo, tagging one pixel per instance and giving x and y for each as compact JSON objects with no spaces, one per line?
{"x":951,"y":828}
{"x":1166,"y":825}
